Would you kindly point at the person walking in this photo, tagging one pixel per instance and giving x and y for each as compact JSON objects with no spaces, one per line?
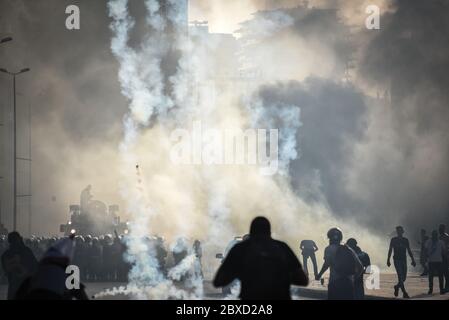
{"x":400,"y":246}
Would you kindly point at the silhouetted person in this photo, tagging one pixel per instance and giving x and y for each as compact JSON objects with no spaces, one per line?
{"x":265,"y":267}
{"x":161,"y":254}
{"x":116,"y":251}
{"x":423,"y":253}
{"x":359,"y":288}
{"x":445,"y":238}
{"x":180,"y":250}
{"x":80,"y":258}
{"x":50,"y":282}
{"x":107,"y":269}
{"x":308,"y":249}
{"x":344,"y":267}
{"x":436,"y":252}
{"x":3,"y":230}
{"x":3,"y":248}
{"x":95,"y":259}
{"x":400,"y":246}
{"x":18,"y":262}
{"x":85,"y":198}
{"x":198,"y":250}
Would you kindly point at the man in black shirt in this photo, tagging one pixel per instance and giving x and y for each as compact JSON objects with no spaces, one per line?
{"x":18,"y":263}
{"x":308,"y":249}
{"x":423,"y":253}
{"x":400,"y":245}
{"x":265,"y":267}
{"x":445,"y":238}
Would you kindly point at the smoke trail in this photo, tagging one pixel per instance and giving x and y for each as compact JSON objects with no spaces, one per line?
{"x":209,"y":203}
{"x":282,"y":116}
{"x":142,"y":83}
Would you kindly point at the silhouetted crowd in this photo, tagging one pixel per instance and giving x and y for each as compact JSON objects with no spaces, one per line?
{"x":265,"y":267}
{"x":101,"y":258}
{"x":98,"y":258}
{"x":434,"y":257}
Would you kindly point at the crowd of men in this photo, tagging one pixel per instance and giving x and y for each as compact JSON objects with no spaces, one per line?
{"x":253,"y":262}
{"x":265,"y":267}
{"x":348,"y":263}
{"x":99,"y":259}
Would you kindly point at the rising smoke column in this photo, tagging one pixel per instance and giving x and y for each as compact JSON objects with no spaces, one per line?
{"x":213,"y":203}
{"x":142,"y":82}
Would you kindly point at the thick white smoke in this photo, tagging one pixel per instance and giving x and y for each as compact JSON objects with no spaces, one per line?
{"x":142,"y":83}
{"x":212,"y":203}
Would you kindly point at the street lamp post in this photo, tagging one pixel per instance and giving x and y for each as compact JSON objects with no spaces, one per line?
{"x":14,"y":74}
{"x":7,"y":39}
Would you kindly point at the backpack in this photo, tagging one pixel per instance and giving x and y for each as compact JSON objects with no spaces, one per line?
{"x":344,"y":263}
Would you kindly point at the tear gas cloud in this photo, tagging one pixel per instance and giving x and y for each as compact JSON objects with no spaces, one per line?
{"x":364,"y":154}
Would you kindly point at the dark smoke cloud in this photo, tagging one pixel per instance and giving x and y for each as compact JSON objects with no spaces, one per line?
{"x":411,"y":56}
{"x":377,"y":161}
{"x":333,"y":118}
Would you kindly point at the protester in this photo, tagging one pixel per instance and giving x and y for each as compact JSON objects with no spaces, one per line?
{"x":400,"y":246}
{"x":445,"y":238}
{"x":161,"y":254}
{"x":359,"y":288}
{"x":344,"y":267}
{"x":436,"y":253}
{"x":198,"y":250}
{"x":50,"y":280}
{"x":308,"y":249}
{"x":18,"y":263}
{"x":265,"y":267}
{"x":423,"y":253}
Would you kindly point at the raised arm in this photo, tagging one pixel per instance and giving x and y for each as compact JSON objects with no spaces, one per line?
{"x":228,"y":270}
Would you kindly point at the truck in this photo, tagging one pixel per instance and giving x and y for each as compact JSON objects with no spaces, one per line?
{"x":95,"y":220}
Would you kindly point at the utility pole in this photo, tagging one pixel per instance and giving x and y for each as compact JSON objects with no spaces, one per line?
{"x":29,"y":175}
{"x":3,"y":40}
{"x":14,"y":74}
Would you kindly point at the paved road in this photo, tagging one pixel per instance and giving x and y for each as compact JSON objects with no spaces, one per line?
{"x":416,"y":286}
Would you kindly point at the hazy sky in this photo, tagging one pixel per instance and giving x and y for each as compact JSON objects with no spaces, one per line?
{"x":378,"y":163}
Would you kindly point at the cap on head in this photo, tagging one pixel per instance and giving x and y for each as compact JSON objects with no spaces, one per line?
{"x":351,"y":242}
{"x":260,"y":226}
